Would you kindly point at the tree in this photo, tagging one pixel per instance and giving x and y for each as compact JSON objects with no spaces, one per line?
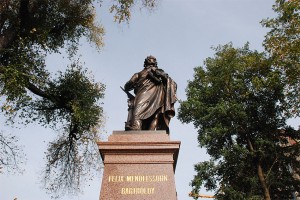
{"x":283,"y":44}
{"x":236,"y":102}
{"x":68,"y":101}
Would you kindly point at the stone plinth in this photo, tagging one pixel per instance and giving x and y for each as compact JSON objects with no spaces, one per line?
{"x":139,"y":165}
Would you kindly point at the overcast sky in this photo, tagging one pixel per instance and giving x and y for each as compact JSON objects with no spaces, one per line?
{"x":180,"y":34}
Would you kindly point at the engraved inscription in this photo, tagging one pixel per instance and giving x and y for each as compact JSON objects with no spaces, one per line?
{"x":143,"y":191}
{"x":137,"y":178}
{"x":115,"y":178}
{"x":157,"y":178}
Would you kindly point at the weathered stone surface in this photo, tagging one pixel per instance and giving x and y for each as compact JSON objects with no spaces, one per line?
{"x":139,"y":165}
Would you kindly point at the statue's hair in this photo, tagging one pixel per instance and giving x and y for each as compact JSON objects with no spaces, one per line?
{"x":150,"y":60}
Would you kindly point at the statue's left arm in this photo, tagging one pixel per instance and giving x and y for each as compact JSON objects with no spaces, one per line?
{"x":130,"y":85}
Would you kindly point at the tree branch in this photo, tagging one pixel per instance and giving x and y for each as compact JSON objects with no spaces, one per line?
{"x":37,"y":91}
{"x":31,"y":87}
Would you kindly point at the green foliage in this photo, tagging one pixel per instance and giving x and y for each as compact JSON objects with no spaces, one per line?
{"x":74,"y":101}
{"x":48,"y":23}
{"x":122,"y":8}
{"x":68,"y":102}
{"x":236,"y":101}
{"x":283,"y":43}
{"x":29,"y":30}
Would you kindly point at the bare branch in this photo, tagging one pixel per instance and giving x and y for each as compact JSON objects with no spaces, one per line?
{"x":11,"y":155}
{"x":69,"y":163}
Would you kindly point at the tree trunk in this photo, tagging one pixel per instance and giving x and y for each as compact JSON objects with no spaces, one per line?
{"x":260,"y":174}
{"x":262,"y":180}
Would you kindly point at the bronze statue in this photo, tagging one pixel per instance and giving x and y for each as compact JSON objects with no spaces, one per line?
{"x":152,"y":107}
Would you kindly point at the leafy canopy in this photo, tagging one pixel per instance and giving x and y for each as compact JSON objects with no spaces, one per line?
{"x":235,"y":101}
{"x":69,"y":101}
{"x":283,"y":44}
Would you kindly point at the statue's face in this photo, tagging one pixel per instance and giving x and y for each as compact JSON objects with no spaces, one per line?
{"x":150,"y":61}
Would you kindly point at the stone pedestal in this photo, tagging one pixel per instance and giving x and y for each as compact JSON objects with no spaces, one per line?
{"x":139,"y":165}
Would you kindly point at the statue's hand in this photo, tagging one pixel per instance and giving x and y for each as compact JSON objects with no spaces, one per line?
{"x":153,"y":77}
{"x":162,"y":74}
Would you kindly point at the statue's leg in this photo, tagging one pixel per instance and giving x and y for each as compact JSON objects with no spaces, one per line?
{"x":136,"y":125}
{"x":154,"y":122}
{"x":133,"y":123}
{"x":129,"y":121}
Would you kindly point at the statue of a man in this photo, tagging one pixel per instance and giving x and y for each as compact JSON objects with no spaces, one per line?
{"x":155,"y":95}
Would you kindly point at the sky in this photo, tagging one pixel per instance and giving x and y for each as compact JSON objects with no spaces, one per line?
{"x":180,"y":34}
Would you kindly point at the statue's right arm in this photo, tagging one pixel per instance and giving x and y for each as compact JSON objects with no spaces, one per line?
{"x":130,"y":85}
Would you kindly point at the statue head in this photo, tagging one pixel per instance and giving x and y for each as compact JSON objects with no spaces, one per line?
{"x":150,"y":60}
